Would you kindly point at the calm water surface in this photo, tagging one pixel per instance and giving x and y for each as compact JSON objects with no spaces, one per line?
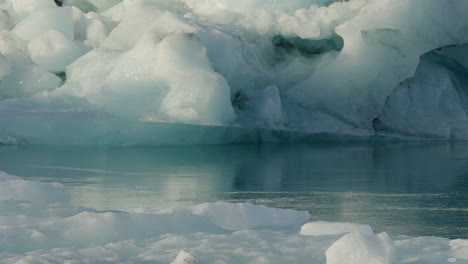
{"x":417,"y":189}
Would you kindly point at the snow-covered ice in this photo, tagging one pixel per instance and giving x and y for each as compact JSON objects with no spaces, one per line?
{"x":184,"y":258}
{"x":300,"y":68}
{"x":38,"y":225}
{"x":321,"y":228}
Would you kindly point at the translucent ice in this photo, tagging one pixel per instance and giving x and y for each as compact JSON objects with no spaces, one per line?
{"x":308,"y":67}
{"x":334,"y":228}
{"x":361,"y":248}
{"x":38,"y":225}
{"x":184,"y":258}
{"x":53,"y":51}
{"x":43,"y":20}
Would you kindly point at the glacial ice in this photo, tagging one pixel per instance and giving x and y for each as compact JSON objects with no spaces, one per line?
{"x":361,"y":248}
{"x":45,"y":19}
{"x":298,"y":69}
{"x":321,"y":228}
{"x":53,"y":51}
{"x":40,"y":226}
{"x":184,"y":258}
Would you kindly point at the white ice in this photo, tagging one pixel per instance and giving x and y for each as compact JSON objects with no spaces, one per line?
{"x":295,"y":68}
{"x":38,"y":225}
{"x":321,"y":228}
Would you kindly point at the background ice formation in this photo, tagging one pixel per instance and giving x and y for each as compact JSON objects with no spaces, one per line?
{"x":38,"y":225}
{"x":250,"y":70}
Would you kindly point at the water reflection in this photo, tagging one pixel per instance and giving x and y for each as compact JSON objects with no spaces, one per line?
{"x":404,"y":188}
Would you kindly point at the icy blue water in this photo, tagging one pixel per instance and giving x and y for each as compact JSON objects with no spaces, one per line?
{"x":415,"y":189}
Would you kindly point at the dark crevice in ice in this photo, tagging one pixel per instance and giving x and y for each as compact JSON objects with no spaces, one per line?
{"x":307,"y":47}
{"x":62,"y":76}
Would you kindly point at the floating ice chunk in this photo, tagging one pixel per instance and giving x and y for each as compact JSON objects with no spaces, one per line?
{"x":241,"y":216}
{"x":14,"y":188}
{"x":321,"y":228}
{"x":7,"y":177}
{"x":459,"y":248}
{"x":53,"y":51}
{"x":43,"y":20}
{"x":244,"y":216}
{"x":184,"y":60}
{"x":184,"y":258}
{"x":357,"y":248}
{"x":46,"y":229}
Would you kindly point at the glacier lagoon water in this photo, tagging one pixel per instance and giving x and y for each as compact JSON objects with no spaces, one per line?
{"x":416,"y":189}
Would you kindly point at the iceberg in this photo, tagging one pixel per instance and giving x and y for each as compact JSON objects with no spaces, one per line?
{"x":41,"y":226}
{"x":300,"y":69}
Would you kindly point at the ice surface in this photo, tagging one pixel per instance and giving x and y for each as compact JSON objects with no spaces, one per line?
{"x":19,"y":76}
{"x":13,"y":188}
{"x":53,"y":51}
{"x":240,"y":216}
{"x":301,"y":66}
{"x":38,"y":225}
{"x":321,"y":228}
{"x":92,"y":5}
{"x":24,"y":8}
{"x":436,"y":95}
{"x":184,"y":258}
{"x":43,"y":20}
{"x":356,"y":247}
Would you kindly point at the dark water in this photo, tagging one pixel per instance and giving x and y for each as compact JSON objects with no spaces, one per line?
{"x":417,"y":189}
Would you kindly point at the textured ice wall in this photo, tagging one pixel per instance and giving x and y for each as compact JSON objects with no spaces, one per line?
{"x":336,"y":67}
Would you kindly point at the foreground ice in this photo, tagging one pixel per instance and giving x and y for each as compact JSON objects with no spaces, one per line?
{"x":355,"y":68}
{"x":38,"y":225}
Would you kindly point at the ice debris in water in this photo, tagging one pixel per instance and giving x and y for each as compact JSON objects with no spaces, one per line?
{"x":38,"y":225}
{"x":294,"y":68}
{"x":321,"y":228}
{"x":184,"y":258}
{"x":356,"y":247}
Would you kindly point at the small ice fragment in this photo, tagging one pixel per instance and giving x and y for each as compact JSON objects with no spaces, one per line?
{"x":184,"y":258}
{"x":356,"y":248}
{"x":321,"y":228}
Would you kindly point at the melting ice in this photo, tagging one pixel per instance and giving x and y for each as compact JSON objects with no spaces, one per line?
{"x":141,"y":72}
{"x":151,"y":72}
{"x":38,"y":225}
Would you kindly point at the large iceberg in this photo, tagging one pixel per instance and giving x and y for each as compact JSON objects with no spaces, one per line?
{"x":39,"y":225}
{"x":121,"y":72}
